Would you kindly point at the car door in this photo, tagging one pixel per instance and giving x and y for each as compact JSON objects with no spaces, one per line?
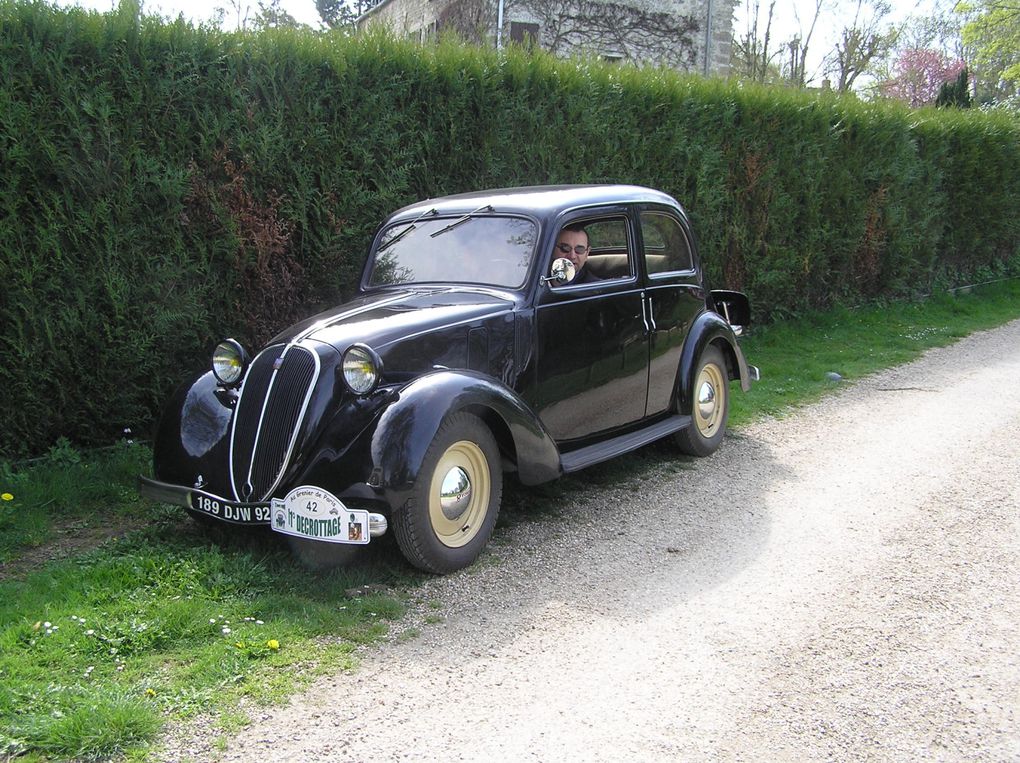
{"x":592,"y":365}
{"x":674,"y":298}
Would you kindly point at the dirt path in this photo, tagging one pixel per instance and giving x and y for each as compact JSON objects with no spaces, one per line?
{"x":841,"y":584}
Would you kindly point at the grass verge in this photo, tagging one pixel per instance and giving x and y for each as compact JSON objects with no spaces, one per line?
{"x":99,"y":649}
{"x":797,"y":357}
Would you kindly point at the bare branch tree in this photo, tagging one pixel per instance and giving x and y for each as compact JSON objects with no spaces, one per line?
{"x":861,"y":43}
{"x":797,"y":74}
{"x":752,"y":58}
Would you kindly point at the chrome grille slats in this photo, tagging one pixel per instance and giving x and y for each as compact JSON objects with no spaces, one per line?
{"x":281,"y":419}
{"x":268,"y":416}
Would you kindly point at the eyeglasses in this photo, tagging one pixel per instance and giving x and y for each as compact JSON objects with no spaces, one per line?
{"x":578,"y":248}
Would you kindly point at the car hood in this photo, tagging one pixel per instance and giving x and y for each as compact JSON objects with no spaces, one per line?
{"x":389,"y":316}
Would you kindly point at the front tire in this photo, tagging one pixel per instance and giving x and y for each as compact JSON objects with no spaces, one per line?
{"x":710,"y":406}
{"x":452,"y":511}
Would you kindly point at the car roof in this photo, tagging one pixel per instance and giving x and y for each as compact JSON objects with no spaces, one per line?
{"x":539,"y":201}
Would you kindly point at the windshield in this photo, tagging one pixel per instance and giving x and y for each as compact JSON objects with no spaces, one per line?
{"x":495,"y":251}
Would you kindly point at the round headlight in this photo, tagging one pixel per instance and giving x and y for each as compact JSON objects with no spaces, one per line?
{"x":229,"y":361}
{"x":361,"y":369}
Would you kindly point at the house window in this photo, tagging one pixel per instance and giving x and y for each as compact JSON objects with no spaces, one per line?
{"x":524,"y":34}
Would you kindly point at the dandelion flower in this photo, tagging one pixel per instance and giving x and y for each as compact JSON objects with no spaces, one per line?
{"x":150,"y":692}
{"x":273,"y":643}
{"x":7,"y":497}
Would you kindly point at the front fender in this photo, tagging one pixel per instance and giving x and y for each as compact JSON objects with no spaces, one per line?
{"x":709,"y":328}
{"x":407,"y":426}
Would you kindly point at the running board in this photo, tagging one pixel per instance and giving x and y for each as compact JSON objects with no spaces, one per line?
{"x":603,"y":451}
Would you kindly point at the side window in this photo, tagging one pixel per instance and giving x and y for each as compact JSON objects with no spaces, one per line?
{"x":599,"y":248}
{"x":667,"y":249}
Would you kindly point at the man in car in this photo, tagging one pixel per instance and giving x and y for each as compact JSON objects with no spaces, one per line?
{"x":572,"y":243}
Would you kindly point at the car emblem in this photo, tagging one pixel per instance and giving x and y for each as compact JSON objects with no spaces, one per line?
{"x":277,"y":363}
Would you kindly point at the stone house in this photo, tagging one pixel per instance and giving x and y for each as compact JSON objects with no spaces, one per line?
{"x":688,"y":35}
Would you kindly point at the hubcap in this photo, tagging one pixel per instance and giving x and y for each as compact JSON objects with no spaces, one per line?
{"x":706,"y":400}
{"x":708,"y":411}
{"x":455,"y":493}
{"x":459,"y":494}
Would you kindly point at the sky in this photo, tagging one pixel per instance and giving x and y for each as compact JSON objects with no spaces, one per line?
{"x":792,"y":17}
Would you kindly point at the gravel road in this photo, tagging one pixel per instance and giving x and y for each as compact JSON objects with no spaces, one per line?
{"x":840,"y":584}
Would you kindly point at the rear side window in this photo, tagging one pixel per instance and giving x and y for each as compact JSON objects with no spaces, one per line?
{"x":667,"y":249}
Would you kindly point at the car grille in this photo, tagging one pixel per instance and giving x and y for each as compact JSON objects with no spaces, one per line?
{"x":268,"y":415}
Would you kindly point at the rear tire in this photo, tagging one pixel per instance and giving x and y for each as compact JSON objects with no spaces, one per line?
{"x":449,"y":518}
{"x":710,"y":406}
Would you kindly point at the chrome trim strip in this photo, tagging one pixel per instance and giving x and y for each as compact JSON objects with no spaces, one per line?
{"x":297,"y":423}
{"x":233,"y":424}
{"x":262,"y":414}
{"x":258,"y":427}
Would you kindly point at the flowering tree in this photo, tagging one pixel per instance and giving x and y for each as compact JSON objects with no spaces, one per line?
{"x":920,"y":74}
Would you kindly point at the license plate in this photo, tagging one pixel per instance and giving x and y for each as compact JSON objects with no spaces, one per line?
{"x":313,"y":513}
{"x":238,"y":513}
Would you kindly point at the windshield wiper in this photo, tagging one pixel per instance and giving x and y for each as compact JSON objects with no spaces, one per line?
{"x":460,"y":220}
{"x":406,"y":230}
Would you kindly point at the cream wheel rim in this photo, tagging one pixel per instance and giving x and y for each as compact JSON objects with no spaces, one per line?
{"x":710,"y":400}
{"x":459,"y":494}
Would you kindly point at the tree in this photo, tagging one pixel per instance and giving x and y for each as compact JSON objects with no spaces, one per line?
{"x":240,"y":11}
{"x":797,"y":71}
{"x":940,"y":30}
{"x":920,"y":75}
{"x":271,"y":15}
{"x":341,"y":14}
{"x":991,"y":36}
{"x":955,"y":93}
{"x":861,"y":44}
{"x":751,"y":58}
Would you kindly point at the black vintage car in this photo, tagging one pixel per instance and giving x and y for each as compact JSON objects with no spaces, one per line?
{"x":530,"y":330}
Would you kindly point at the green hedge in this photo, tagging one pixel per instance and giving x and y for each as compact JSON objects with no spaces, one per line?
{"x":163,"y":186}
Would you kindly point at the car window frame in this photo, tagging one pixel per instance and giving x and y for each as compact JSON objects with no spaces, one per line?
{"x":615,"y":211}
{"x":365,"y":287}
{"x":685,"y":230}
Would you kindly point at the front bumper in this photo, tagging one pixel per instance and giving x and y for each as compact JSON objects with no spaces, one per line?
{"x":231,"y":512}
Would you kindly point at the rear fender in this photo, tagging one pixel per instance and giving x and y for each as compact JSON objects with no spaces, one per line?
{"x":709,"y":328}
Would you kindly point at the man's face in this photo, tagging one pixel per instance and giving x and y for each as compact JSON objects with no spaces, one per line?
{"x":572,"y":241}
